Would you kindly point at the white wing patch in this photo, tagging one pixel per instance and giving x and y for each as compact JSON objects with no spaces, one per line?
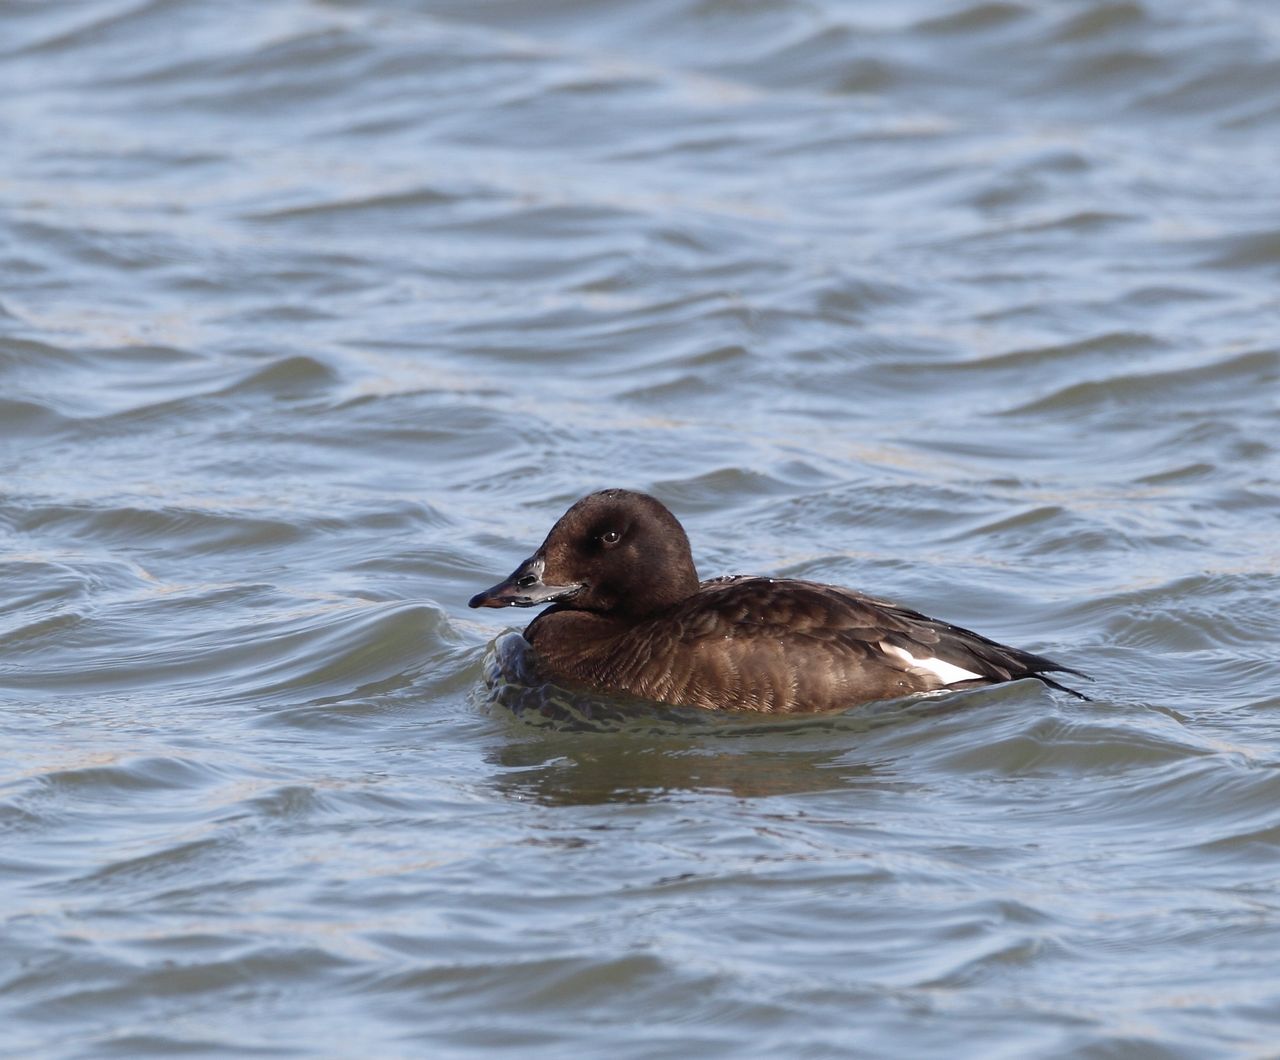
{"x":947,"y":673}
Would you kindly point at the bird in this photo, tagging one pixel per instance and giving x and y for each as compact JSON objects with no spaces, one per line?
{"x":627,"y":614}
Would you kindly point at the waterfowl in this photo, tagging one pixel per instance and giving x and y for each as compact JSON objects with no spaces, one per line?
{"x":628,"y":614}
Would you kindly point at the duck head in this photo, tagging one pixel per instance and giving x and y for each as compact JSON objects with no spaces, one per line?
{"x":614,"y":552}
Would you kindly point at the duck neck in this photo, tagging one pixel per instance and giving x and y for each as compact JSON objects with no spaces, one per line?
{"x":678,"y":581}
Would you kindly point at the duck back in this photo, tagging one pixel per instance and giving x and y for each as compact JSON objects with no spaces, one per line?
{"x":774,"y":646}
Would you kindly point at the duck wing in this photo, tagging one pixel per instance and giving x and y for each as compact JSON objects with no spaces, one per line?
{"x":784,"y":645}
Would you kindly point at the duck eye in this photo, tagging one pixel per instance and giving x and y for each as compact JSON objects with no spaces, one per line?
{"x":526,"y":581}
{"x":610,"y":537}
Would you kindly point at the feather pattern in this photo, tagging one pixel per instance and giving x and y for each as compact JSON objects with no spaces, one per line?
{"x":627,"y":614}
{"x":774,"y":646}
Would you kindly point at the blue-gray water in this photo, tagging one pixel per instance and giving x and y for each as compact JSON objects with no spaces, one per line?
{"x":315,"y":315}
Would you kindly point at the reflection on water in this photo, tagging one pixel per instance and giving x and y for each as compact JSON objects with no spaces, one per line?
{"x":566,"y":747}
{"x":564,"y":772}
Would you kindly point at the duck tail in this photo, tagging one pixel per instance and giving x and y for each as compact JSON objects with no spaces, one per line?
{"x":1065,"y":688}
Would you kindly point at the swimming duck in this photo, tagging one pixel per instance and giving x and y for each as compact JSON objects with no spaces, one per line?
{"x":629,"y":615}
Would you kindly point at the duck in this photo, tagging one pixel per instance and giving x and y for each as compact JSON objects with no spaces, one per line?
{"x":627,"y":614}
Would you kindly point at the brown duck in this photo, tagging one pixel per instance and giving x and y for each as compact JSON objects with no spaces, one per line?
{"x":629,"y":615}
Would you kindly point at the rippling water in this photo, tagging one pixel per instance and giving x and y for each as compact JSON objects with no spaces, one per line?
{"x":315,"y":315}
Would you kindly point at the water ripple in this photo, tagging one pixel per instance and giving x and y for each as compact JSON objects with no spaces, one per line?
{"x":316,"y":316}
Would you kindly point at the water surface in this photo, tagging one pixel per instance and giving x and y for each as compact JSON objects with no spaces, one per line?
{"x":315,"y":315}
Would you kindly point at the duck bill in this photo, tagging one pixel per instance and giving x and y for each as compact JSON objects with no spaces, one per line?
{"x":524,"y":588}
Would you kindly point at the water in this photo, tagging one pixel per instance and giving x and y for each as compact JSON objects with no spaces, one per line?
{"x":314,"y":316}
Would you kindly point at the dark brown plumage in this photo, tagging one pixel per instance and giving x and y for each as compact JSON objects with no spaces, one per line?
{"x":629,"y":615}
